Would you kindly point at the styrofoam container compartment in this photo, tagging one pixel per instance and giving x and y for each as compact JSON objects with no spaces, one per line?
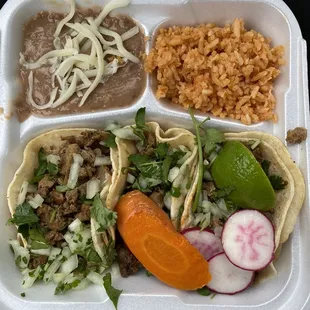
{"x":291,"y":287}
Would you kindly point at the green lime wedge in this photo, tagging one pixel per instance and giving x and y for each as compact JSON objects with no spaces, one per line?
{"x":236,"y":166}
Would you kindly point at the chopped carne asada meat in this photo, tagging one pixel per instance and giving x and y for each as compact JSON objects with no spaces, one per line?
{"x":45,"y":185}
{"x":54,"y":237}
{"x":84,"y":214}
{"x":158,"y":197}
{"x":67,"y":158}
{"x":297,"y":135}
{"x":69,"y":208}
{"x":149,"y":148}
{"x":91,"y":138}
{"x":36,"y":261}
{"x":88,"y":155}
{"x":258,"y":154}
{"x":72,"y":196}
{"x":57,"y":198}
{"x":209,"y":187}
{"x":128,"y":264}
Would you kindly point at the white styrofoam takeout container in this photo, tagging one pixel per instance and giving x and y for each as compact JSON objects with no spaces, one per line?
{"x":291,"y":288}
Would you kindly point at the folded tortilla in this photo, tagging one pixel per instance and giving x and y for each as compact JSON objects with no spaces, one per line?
{"x":174,"y":137}
{"x":55,"y":140}
{"x":288,"y":200}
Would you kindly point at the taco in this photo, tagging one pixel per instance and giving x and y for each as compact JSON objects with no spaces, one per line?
{"x":278,"y":192}
{"x":61,"y":199}
{"x":162,"y":165}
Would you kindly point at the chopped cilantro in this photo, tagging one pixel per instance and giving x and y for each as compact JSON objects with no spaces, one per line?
{"x":277,"y":182}
{"x":221,"y":193}
{"x":161,"y":150}
{"x":112,"y":292}
{"x":38,"y":240}
{"x":149,"y":168}
{"x":24,"y":214}
{"x":104,"y":217}
{"x":63,"y":287}
{"x":110,"y":141}
{"x":23,"y":294}
{"x":148,"y":274}
{"x":175,"y":191}
{"x":140,"y":127}
{"x":211,"y":138}
{"x":204,"y":291}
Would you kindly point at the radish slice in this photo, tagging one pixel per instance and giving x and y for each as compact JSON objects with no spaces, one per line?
{"x":226,"y":277}
{"x":204,"y":241}
{"x":248,"y":240}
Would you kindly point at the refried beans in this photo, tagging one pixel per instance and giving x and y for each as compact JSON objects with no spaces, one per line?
{"x":120,"y":90}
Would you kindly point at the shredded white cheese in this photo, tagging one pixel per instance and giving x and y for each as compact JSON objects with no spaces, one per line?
{"x":63,"y":22}
{"x":77,"y":63}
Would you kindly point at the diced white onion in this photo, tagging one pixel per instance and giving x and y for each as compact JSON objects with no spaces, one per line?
{"x":212,"y":157}
{"x":205,"y":162}
{"x":173,"y":173}
{"x":207,"y":175}
{"x":95,"y":277}
{"x":207,"y":206}
{"x":52,"y":269}
{"x":75,"y":226}
{"x":125,"y":133}
{"x":255,"y":144}
{"x":143,"y":182}
{"x":182,"y":160}
{"x":73,"y":175}
{"x":82,"y":285}
{"x":54,"y":253}
{"x":112,"y":126}
{"x":66,"y":252}
{"x":205,"y":195}
{"x":21,"y":252}
{"x":168,"y":200}
{"x":58,"y":277}
{"x":77,"y":158}
{"x":36,"y":201}
{"x":22,"y":193}
{"x":45,"y":252}
{"x":92,"y":188}
{"x":54,"y":159}
{"x":130,"y":178}
{"x":29,"y":280}
{"x":69,"y":265}
{"x":102,"y":161}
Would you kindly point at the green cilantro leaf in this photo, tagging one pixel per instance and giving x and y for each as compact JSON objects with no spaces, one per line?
{"x":110,"y":141}
{"x":24,"y":214}
{"x":161,"y":150}
{"x":166,"y":167}
{"x":140,"y":127}
{"x":211,"y":138}
{"x":38,"y":239}
{"x":221,"y":193}
{"x":104,"y":217}
{"x":112,"y":292}
{"x":52,"y":169}
{"x":41,"y":155}
{"x":23,"y":294}
{"x":175,"y":191}
{"x":277,"y":182}
{"x":148,"y":274}
{"x":204,"y":291}
{"x":149,"y":168}
{"x":63,"y":287}
{"x":24,"y":230}
{"x":265,"y":165}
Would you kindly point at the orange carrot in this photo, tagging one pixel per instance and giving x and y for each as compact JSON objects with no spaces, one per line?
{"x":152,"y":238}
